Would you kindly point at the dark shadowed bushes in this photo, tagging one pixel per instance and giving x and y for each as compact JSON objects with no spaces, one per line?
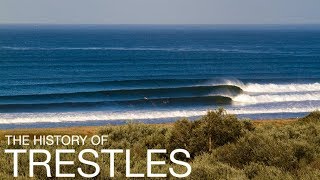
{"x":220,"y":128}
{"x":312,"y":117}
{"x":212,"y":130}
{"x":259,"y":171}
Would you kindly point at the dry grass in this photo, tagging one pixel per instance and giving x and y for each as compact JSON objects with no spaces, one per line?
{"x":91,"y":130}
{"x":49,"y":131}
{"x":274,"y":121}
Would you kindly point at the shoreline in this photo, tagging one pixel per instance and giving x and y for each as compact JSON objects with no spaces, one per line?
{"x":91,"y":130}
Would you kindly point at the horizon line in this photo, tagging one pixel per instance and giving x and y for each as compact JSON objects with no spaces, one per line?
{"x":168,"y":24}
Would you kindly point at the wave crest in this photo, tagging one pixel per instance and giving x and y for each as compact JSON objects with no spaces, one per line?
{"x":270,"y":98}
{"x":10,"y":118}
{"x":281,"y":87}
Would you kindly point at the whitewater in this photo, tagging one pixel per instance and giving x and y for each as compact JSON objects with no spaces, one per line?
{"x":273,"y":98}
{"x":80,"y":76}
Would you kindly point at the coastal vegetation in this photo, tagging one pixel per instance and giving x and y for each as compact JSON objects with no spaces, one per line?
{"x":221,"y":145}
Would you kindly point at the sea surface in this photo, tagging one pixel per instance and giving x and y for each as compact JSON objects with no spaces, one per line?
{"x":65,"y":75}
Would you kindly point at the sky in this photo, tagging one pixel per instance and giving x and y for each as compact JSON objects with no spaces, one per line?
{"x":160,"y":11}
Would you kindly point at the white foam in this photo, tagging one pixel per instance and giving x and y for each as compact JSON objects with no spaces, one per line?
{"x":278,"y":110}
{"x":255,"y":87}
{"x":16,"y":118}
{"x":233,"y":82}
{"x":96,"y":116}
{"x":269,"y":98}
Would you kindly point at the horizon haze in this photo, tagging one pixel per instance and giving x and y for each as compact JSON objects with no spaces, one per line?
{"x":159,"y":12}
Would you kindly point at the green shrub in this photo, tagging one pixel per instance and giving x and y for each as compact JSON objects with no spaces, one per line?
{"x":311,"y":117}
{"x":258,"y":171}
{"x":308,"y":174}
{"x":214,"y":129}
{"x":287,"y":147}
{"x":220,"y":128}
{"x":248,"y":125}
{"x":259,"y":149}
{"x":205,"y":167}
{"x":181,"y":134}
{"x":132,"y":134}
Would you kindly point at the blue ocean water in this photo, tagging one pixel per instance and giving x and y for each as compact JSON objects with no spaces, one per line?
{"x":59,"y":75}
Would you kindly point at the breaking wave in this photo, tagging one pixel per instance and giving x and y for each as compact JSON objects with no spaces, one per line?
{"x":271,"y":98}
{"x":132,"y":103}
{"x":11,"y":118}
{"x":269,"y":88}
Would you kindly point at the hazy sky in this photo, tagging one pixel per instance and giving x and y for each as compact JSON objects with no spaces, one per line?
{"x":160,"y":11}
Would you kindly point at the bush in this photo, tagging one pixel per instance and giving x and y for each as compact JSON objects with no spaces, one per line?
{"x":308,"y":173}
{"x":181,"y":134}
{"x":205,"y":167}
{"x":132,"y":134}
{"x":255,"y":148}
{"x":248,"y":125}
{"x":262,"y":172}
{"x":312,"y":117}
{"x":212,"y":130}
{"x":220,"y":128}
{"x":289,"y":147}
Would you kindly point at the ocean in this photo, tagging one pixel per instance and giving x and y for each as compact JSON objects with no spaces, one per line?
{"x":67,"y":75}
